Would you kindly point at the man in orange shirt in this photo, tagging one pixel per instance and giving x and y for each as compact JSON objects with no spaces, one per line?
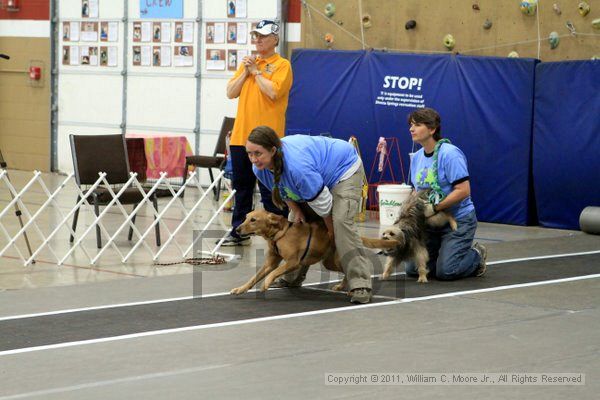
{"x":263,"y":85}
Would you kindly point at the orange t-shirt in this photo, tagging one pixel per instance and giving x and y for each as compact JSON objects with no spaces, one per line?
{"x":254,"y":107}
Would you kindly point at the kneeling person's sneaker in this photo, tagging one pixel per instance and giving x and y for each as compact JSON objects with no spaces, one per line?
{"x":360,"y":295}
{"x":482,"y":250}
{"x":231,"y":240}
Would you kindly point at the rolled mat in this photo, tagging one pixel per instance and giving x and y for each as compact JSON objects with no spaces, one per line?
{"x":589,"y":220}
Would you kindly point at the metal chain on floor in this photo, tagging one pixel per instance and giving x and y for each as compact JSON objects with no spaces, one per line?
{"x":216,"y":260}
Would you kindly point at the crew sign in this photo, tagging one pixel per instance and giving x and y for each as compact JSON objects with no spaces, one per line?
{"x":161,"y":9}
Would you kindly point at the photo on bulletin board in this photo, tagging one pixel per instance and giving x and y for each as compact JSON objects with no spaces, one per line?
{"x":89,"y":31}
{"x":104,"y":31}
{"x":215,"y":59}
{"x":136,"y":58}
{"x":94,"y":55}
{"x":210,"y":32}
{"x":178,"y":32}
{"x":184,"y":56}
{"x":232,"y":60}
{"x":231,"y":32}
{"x":85,"y":8}
{"x":66,"y":32}
{"x":66,"y":55}
{"x":137,"y":31}
{"x":185,"y":51}
{"x":103,"y":56}
{"x":156,"y":56}
{"x":156,"y":32}
{"x":84,"y":53}
{"x":230,"y":8}
{"x":89,"y":8}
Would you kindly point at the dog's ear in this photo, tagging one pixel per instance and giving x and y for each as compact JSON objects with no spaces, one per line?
{"x":274,"y":219}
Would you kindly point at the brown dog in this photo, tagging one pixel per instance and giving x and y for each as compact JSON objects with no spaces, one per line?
{"x":288,"y":242}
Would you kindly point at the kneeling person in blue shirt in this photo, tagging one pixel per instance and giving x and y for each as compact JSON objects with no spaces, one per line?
{"x":326,"y":174}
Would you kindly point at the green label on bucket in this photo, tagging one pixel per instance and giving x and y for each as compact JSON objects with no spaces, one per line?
{"x":387,"y":202}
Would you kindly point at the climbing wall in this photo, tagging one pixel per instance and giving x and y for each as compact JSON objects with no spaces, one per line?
{"x":511,"y":29}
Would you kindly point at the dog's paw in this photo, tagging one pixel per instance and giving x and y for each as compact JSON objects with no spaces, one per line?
{"x":384,"y":276}
{"x":340,"y":287}
{"x":239,"y":290}
{"x":264,"y":287}
{"x":429,"y":211}
{"x":422,"y":279}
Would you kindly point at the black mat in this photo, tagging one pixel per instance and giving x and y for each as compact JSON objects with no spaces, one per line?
{"x":497,"y":275}
{"x":94,"y":324}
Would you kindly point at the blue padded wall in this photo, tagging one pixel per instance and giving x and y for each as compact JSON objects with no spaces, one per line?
{"x":486,"y":105}
{"x":566,"y":141}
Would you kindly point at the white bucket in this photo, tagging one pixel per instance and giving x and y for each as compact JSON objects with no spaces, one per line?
{"x":391,"y":198}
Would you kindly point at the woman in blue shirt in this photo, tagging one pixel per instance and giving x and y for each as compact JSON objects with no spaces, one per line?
{"x":442,"y":167}
{"x":327,"y":175}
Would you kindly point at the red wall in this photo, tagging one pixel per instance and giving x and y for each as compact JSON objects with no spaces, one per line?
{"x":29,"y":9}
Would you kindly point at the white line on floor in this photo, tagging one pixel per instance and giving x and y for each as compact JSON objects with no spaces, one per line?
{"x":139,"y":303}
{"x":582,"y":253}
{"x":288,"y":316}
{"x":111,"y":382}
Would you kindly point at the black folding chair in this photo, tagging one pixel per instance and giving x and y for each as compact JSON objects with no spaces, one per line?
{"x":104,"y":153}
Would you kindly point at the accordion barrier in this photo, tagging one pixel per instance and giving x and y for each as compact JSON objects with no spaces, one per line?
{"x":43,"y":235}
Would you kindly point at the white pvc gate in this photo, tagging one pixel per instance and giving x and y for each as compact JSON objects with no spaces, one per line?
{"x":31,"y":223}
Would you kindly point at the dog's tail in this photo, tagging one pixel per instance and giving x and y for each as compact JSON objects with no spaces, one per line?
{"x":379,"y":243}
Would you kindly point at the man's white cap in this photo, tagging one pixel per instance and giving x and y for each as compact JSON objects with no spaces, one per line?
{"x":266,"y":27}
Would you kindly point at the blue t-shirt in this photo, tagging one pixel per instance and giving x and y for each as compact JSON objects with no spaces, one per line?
{"x":309,"y":164}
{"x":452,"y":169}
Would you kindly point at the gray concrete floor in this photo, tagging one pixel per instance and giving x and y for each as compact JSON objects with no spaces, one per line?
{"x":549,"y":328}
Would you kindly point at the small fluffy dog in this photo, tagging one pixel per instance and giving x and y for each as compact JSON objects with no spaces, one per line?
{"x":406,"y":240}
{"x":432,"y":218}
{"x":297,"y":244}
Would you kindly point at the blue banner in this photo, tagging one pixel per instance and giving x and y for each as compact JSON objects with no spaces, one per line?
{"x":161,"y":9}
{"x":566,"y":141}
{"x":486,"y":105}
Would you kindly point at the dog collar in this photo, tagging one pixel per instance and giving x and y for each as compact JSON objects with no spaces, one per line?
{"x":290,"y":223}
{"x":307,"y":241}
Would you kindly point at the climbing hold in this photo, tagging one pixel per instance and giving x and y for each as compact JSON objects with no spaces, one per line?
{"x":571,"y":28}
{"x":528,"y":7}
{"x":487,"y":24}
{"x":366,"y":21}
{"x":412,"y":24}
{"x":329,"y":39}
{"x":476,"y":7}
{"x":556,"y":9}
{"x":449,"y":41}
{"x":513,"y":54}
{"x":553,"y":39}
{"x":596,"y":23}
{"x":330,"y":9}
{"x":584,"y":8}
